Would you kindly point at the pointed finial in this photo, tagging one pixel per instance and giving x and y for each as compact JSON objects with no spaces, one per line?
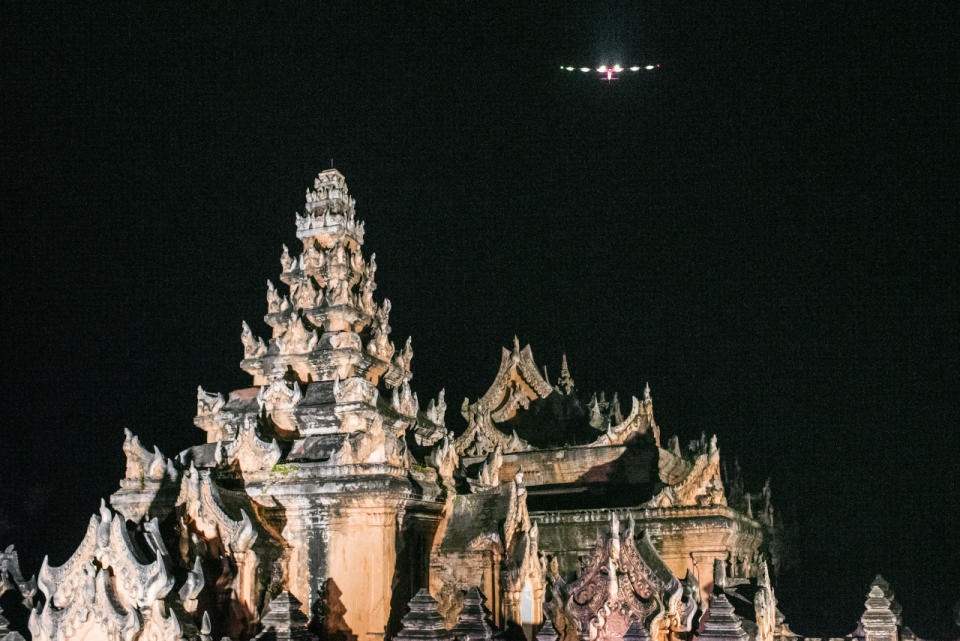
{"x":646,"y":392}
{"x":565,"y":382}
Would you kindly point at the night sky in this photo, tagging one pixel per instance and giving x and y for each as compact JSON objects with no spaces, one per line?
{"x":765,"y":230}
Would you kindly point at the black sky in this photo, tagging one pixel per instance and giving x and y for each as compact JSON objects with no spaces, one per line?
{"x":766,"y":230}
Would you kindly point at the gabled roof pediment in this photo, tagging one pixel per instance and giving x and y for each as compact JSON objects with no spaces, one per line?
{"x":518,"y":382}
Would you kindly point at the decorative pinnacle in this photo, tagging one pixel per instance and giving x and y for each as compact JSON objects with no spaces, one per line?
{"x":565,"y":382}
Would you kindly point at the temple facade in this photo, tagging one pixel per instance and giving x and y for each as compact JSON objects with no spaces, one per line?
{"x":327,"y":501}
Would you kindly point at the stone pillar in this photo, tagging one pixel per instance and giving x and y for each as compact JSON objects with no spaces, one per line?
{"x":361,"y":559}
{"x":307,"y":564}
{"x":703,"y":565}
{"x":879,"y":621}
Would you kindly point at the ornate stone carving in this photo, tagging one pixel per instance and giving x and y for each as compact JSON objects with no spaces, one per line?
{"x":191,"y":588}
{"x":251,"y":453}
{"x":405,"y":357}
{"x":355,"y":390}
{"x":700,"y":485}
{"x":201,"y":502}
{"x":313,"y":259}
{"x":297,"y":339}
{"x":105,"y":590}
{"x":404,"y":401}
{"x":620,"y":431}
{"x":208,"y":404}
{"x":253,"y":347}
{"x":145,"y":465}
{"x":338,"y":293}
{"x":518,"y":374}
{"x":303,"y":294}
{"x":617,"y":586}
{"x":279,"y":395}
{"x":273,"y":298}
{"x":436,"y":410}
{"x":490,"y":470}
{"x":521,"y":569}
{"x":380,"y":345}
{"x":443,"y":457}
{"x":12,"y":578}
{"x":547,"y":631}
{"x":366,"y":302}
{"x":481,"y":437}
{"x":515,"y":399}
{"x":287,"y":263}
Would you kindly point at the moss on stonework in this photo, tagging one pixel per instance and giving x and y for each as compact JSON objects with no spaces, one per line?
{"x":417,"y":467}
{"x":284,"y":469}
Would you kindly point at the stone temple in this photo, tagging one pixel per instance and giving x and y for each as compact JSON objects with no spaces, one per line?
{"x":327,"y":501}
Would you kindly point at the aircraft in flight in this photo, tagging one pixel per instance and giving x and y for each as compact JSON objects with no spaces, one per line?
{"x":611,"y":73}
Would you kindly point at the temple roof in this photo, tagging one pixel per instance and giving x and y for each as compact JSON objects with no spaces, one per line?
{"x":521,"y":410}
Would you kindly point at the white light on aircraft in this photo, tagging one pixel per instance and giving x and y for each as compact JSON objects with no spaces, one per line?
{"x":634,"y":68}
{"x":602,"y":68}
{"x":649,"y":67}
{"x":569,"y":68}
{"x":617,"y":68}
{"x":584,"y":69}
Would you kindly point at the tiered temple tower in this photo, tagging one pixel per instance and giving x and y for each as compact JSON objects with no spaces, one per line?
{"x":315,"y":453}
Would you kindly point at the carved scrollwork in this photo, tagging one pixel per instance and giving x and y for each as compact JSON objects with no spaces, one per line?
{"x":201,"y":502}
{"x":105,"y":589}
